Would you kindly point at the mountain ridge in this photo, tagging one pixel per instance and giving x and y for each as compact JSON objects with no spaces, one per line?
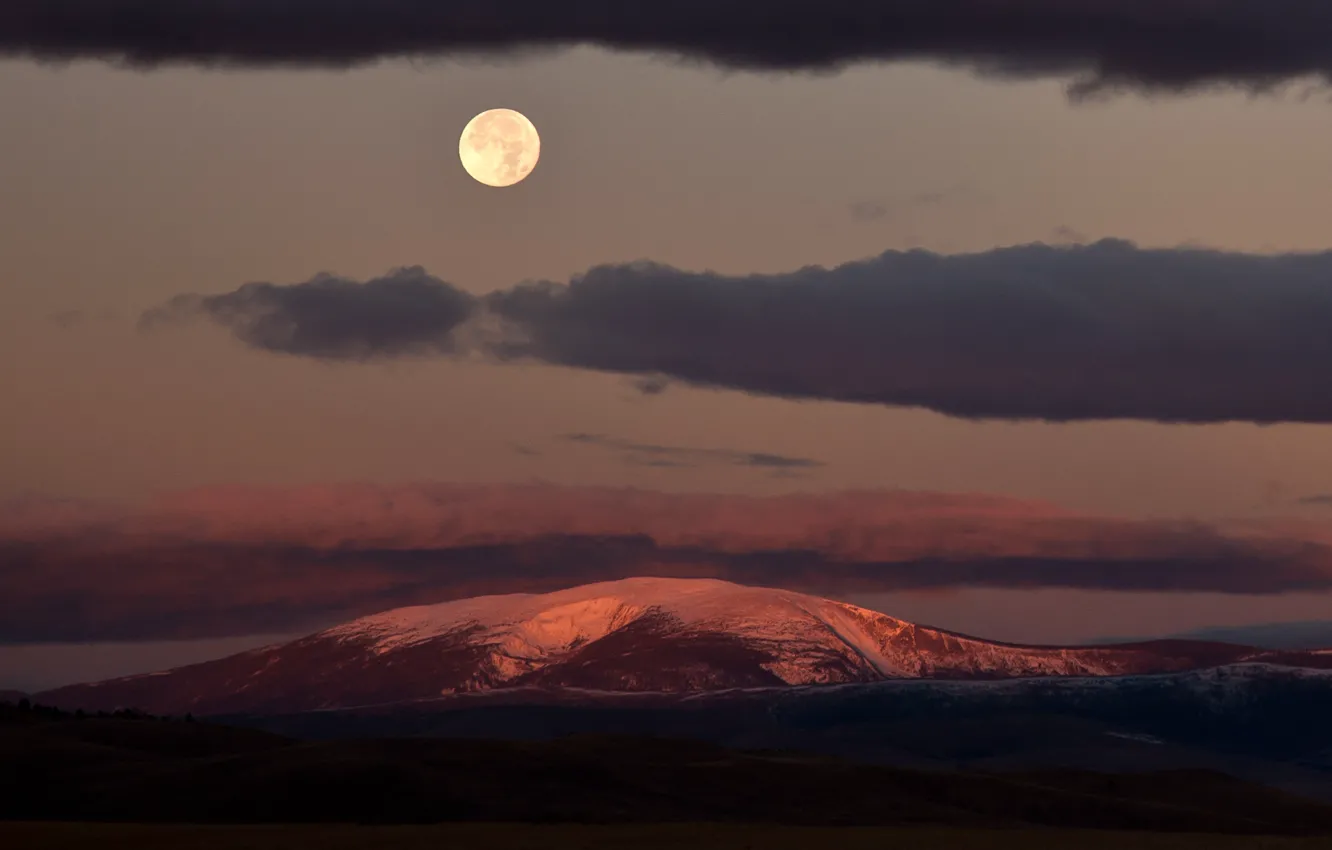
{"x":635,"y":635}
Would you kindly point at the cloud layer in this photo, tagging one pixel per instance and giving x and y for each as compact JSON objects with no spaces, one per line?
{"x":238,"y":560}
{"x":1101,"y":44}
{"x":1067,"y":333}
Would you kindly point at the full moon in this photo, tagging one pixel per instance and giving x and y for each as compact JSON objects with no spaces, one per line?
{"x":499,"y":147}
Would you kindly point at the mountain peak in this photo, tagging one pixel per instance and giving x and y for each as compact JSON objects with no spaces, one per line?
{"x":641,"y":634}
{"x":590,"y":612}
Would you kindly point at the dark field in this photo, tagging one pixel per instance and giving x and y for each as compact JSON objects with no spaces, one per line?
{"x":135,"y":770}
{"x":523,"y":837}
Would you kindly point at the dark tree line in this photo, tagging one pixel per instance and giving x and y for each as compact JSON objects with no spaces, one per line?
{"x":27,"y":710}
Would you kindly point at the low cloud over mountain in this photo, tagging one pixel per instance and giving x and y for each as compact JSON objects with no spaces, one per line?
{"x":234,"y":561}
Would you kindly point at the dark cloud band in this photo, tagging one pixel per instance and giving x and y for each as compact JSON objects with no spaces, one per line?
{"x":1097,"y":332}
{"x":1106,"y":331}
{"x":1139,"y":44}
{"x":260,"y":560}
{"x":167,"y":590}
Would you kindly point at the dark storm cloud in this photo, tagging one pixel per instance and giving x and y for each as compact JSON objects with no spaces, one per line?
{"x":404,"y":313}
{"x":1074,"y":332}
{"x":650,"y":454}
{"x":1151,"y":45}
{"x":1105,"y":331}
{"x":1320,"y":499}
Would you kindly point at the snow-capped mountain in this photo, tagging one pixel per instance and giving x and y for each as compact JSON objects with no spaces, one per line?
{"x":639,"y":635}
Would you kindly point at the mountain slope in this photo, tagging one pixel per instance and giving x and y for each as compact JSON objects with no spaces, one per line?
{"x":642,"y":635}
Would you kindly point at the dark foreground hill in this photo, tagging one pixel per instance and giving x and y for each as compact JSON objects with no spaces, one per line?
{"x":60,"y":767}
{"x":700,"y":836}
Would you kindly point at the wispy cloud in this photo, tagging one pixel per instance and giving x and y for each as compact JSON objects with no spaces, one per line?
{"x":868,"y":210}
{"x":882,"y":208}
{"x":73,"y":318}
{"x":651,"y":454}
{"x":652,"y":384}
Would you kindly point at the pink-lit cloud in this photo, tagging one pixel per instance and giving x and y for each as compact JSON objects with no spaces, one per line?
{"x":233,"y":560}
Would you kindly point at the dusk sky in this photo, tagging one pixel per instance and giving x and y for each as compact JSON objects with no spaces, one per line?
{"x":1109,"y":304}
